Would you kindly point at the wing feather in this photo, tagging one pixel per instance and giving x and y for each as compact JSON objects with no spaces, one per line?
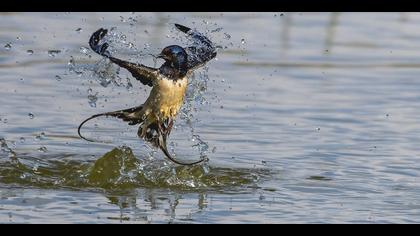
{"x":202,"y":50}
{"x":143,"y":73}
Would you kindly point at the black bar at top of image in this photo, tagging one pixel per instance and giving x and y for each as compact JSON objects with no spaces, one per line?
{"x":210,"y":5}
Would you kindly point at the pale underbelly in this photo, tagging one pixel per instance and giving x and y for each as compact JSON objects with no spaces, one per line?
{"x":166,"y":98}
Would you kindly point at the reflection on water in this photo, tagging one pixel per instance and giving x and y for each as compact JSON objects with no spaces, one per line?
{"x":305,"y":117}
{"x":124,"y":179}
{"x":120,"y":169}
{"x":119,"y":173}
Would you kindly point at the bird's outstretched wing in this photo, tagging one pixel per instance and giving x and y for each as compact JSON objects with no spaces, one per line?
{"x":143,"y":73}
{"x":202,"y":50}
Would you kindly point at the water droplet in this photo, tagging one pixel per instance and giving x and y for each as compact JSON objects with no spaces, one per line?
{"x":5,"y":148}
{"x":84,"y":50}
{"x":40,"y":136}
{"x":43,"y":149}
{"x":3,"y":143}
{"x":78,"y":30}
{"x":53,"y":53}
{"x":217,"y":30}
{"x":129,"y":85}
{"x":22,"y":139}
{"x":29,"y":52}
{"x":243,"y":41}
{"x":92,"y":98}
{"x":213,"y":150}
{"x":31,"y":115}
{"x":318,"y":129}
{"x":58,"y":78}
{"x":146,"y":31}
{"x":35,"y":168}
{"x":8,"y":46}
{"x":71,"y":62}
{"x":146,"y":46}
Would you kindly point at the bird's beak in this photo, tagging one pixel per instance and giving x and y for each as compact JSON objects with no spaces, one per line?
{"x":161,"y":56}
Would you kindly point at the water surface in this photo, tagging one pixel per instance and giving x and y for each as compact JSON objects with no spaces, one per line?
{"x":305,"y":118}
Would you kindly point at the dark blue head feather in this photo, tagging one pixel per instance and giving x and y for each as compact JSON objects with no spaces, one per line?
{"x":176,"y":60}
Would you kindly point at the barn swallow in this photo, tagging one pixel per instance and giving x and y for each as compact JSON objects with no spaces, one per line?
{"x":169,"y":84}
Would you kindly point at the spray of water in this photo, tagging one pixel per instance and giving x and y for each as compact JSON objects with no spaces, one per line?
{"x":107,"y":74}
{"x":4,"y":148}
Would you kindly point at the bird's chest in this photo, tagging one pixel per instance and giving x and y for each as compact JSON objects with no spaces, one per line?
{"x":167,"y":96}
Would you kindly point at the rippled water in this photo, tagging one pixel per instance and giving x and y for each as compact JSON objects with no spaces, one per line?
{"x":305,"y":117}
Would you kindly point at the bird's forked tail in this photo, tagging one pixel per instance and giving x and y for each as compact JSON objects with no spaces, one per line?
{"x":151,"y":130}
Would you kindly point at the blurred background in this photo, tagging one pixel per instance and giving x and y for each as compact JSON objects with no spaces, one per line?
{"x":305,"y":117}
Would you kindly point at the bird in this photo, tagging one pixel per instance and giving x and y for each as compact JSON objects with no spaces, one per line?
{"x":169,"y":84}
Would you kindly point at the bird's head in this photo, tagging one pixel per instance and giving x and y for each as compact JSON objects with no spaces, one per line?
{"x":175,"y":56}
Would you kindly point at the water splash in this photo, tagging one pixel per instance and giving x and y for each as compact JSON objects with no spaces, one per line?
{"x":106,"y":74}
{"x":40,"y":136}
{"x":92,"y":97}
{"x":5,"y":148}
{"x":8,"y":46}
{"x":79,"y":70}
{"x":217,"y":30}
{"x":53,"y":53}
{"x":71,"y":63}
{"x":120,"y":169}
{"x":119,"y":42}
{"x":85,"y":50}
{"x":201,"y":146}
{"x":198,"y":98}
{"x":42,"y":149}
